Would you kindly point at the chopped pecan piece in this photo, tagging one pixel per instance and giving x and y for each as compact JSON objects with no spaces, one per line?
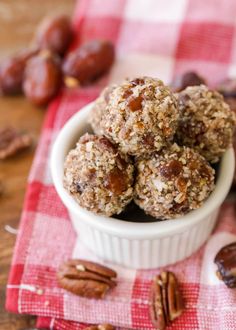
{"x":101,"y":327}
{"x":226,"y":263}
{"x":166,"y":302}
{"x":86,"y":278}
{"x":11,"y":141}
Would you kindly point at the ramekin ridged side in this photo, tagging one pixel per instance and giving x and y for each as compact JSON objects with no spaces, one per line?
{"x":145,"y":253}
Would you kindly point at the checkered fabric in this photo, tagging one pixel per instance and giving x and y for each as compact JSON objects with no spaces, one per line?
{"x":153,"y":37}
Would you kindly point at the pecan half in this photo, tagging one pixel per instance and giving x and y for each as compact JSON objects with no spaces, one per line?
{"x":166,"y":302}
{"x":226,"y":263}
{"x":85,"y":278}
{"x":11,"y":141}
{"x":101,"y":327}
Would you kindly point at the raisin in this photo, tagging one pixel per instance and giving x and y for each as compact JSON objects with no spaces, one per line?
{"x":116,"y":181}
{"x":106,"y":144}
{"x":135,"y":104}
{"x":148,"y":140}
{"x":173,"y":168}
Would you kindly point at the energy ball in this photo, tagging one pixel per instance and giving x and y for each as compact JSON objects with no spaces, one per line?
{"x":141,"y":116}
{"x":97,"y":114}
{"x":206,"y":122}
{"x":173,"y":182}
{"x":98,"y":176}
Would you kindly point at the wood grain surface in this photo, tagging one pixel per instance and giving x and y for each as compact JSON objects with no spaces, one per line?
{"x":18,"y":19}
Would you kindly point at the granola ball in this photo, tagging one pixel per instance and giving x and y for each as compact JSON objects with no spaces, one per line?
{"x":141,"y":116}
{"x":206,"y":122}
{"x":98,"y":176}
{"x":173,"y":182}
{"x":97,"y":113}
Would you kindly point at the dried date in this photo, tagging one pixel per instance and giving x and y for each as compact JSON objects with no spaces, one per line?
{"x":227,"y":88}
{"x":189,"y":78}
{"x":43,"y":78}
{"x":89,"y":62}
{"x":226,"y":263}
{"x":12,"y":72}
{"x":55,"y":33}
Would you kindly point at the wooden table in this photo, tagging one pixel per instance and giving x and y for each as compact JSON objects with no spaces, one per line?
{"x":18,"y":18}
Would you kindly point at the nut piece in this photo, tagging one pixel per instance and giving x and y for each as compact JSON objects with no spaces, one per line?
{"x":43,"y":78}
{"x":166,"y":303}
{"x":189,"y":78}
{"x":104,"y":326}
{"x":85,"y":278}
{"x":55,"y":33}
{"x":12,"y":72}
{"x":90,"y":61}
{"x":226,"y":263}
{"x":11,"y":141}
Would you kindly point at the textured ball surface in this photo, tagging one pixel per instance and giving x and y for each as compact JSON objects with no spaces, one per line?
{"x":173,"y":182}
{"x":141,"y":116}
{"x":98,"y":176}
{"x":206,"y":122}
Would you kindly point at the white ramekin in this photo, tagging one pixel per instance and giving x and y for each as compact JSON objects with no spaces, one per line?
{"x":132,"y":244}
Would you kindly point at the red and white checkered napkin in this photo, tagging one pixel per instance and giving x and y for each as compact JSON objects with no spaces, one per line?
{"x":152,"y":37}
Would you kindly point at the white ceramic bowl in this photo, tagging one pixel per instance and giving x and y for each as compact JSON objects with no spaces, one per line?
{"x":137,"y":244}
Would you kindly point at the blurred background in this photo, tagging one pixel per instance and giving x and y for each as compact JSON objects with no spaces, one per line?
{"x":18,"y":21}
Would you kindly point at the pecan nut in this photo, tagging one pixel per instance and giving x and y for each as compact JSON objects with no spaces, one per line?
{"x":226,"y":263}
{"x":85,"y":278}
{"x":105,"y":326}
{"x":11,"y":141}
{"x":166,"y":303}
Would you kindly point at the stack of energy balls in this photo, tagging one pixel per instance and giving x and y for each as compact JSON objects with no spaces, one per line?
{"x":151,"y":146}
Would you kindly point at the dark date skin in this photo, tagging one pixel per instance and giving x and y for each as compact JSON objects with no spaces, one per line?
{"x":226,"y":263}
{"x":89,"y":62}
{"x":189,"y":78}
{"x":55,"y":33}
{"x":43,"y":78}
{"x":12,"y":71}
